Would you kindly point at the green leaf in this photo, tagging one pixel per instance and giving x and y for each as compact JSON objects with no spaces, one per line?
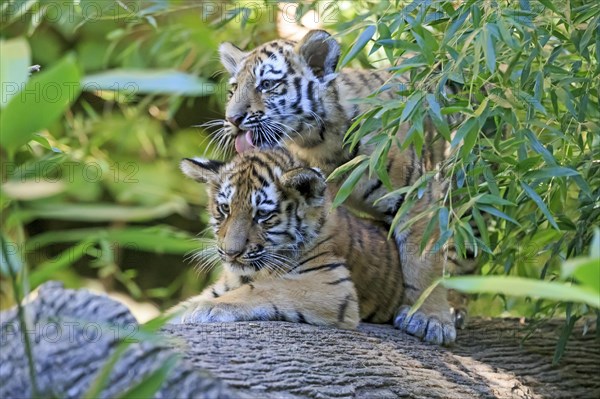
{"x":443,"y":219}
{"x":423,"y":297}
{"x":150,"y":384}
{"x":540,"y":203}
{"x":493,"y":211}
{"x":159,"y":239}
{"x":585,"y":270}
{"x":427,"y":232}
{"x":550,"y":172}
{"x":468,"y":126}
{"x":595,"y":244}
{"x":524,"y":287}
{"x":103,"y":375}
{"x":47,"y":95}
{"x":481,"y":226}
{"x":434,"y":106}
{"x":348,"y":185}
{"x":413,"y":101}
{"x":493,"y":200}
{"x":564,"y":338}
{"x":361,"y":42}
{"x":539,"y":148}
{"x":99,"y":212}
{"x":343,"y":169}
{"x":488,"y":49}
{"x":48,"y":269}
{"x":549,"y":4}
{"x":14,"y":67}
{"x":131,"y":81}
{"x":10,"y":260}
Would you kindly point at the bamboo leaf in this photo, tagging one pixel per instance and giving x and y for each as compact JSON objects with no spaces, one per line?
{"x":540,"y":203}
{"x":348,"y":185}
{"x":524,"y":287}
{"x":345,"y":168}
{"x":361,"y":42}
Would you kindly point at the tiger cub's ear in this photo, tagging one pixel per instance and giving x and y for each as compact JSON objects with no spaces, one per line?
{"x":308,"y":182}
{"x":320,"y":51}
{"x":231,"y":57}
{"x":202,"y":170}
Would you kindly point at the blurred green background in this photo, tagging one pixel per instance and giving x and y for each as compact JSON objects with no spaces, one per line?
{"x":92,"y":194}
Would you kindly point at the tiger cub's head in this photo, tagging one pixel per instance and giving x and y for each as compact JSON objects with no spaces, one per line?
{"x":264,"y":207}
{"x":279,"y":91}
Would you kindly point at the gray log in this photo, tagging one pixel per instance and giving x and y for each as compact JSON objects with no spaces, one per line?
{"x":284,"y":360}
{"x":74,"y":333}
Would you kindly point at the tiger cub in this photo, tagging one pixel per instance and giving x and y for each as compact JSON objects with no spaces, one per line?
{"x":289,"y":94}
{"x":286,"y":254}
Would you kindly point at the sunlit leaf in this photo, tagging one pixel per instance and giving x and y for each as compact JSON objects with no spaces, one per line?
{"x":49,"y":93}
{"x":149,"y":82}
{"x":14,"y":67}
{"x":525,"y":287}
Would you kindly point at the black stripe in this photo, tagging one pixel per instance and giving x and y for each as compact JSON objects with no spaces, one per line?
{"x":363,"y":79}
{"x":311,"y":258}
{"x":310,"y":95}
{"x":329,"y":266}
{"x":263,"y":164}
{"x":411,"y":287}
{"x":322,"y":130}
{"x":324,"y":240}
{"x":411,"y":168}
{"x":343,"y":307}
{"x":300,"y":316}
{"x":267,"y":52}
{"x":278,"y":315}
{"x":392,"y":211}
{"x":372,"y":189}
{"x":280,"y":233}
{"x":369,"y":318}
{"x":262,"y":180}
{"x":298,"y":86}
{"x":336,"y":282}
{"x":379,"y":78}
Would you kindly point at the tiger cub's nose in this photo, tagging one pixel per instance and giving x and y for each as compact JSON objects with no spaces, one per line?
{"x":232,"y":253}
{"x":236,"y":120}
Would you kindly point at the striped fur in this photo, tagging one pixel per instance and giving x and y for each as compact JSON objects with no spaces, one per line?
{"x":289,"y":94}
{"x":296,"y":260}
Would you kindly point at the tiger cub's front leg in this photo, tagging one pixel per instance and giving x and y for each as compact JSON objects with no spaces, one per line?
{"x":294,"y":298}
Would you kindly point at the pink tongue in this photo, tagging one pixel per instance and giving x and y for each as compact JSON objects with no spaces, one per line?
{"x":243,"y":142}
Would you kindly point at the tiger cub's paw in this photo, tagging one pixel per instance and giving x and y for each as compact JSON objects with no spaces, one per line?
{"x":210,"y":312}
{"x":427,"y":327}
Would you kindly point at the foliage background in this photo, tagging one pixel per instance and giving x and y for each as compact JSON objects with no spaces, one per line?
{"x":92,"y":194}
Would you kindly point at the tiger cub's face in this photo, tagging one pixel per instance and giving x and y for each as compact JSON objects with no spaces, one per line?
{"x":278,"y":91}
{"x":264,"y":207}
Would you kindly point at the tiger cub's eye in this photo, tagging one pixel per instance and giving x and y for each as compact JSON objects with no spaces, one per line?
{"x":267,"y":85}
{"x":262,"y":213}
{"x":223,"y":208}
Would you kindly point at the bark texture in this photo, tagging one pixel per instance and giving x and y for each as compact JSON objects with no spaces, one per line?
{"x":284,"y":360}
{"x":73,"y":334}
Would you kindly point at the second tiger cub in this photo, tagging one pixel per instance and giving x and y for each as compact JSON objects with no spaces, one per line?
{"x":287,"y":256}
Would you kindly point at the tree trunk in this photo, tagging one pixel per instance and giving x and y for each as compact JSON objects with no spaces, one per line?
{"x":285,"y":360}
